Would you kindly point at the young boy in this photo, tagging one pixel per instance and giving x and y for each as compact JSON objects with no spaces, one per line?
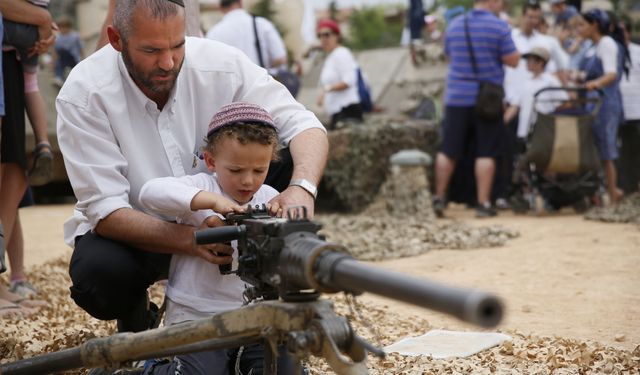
{"x":548,"y":101}
{"x":241,"y":142}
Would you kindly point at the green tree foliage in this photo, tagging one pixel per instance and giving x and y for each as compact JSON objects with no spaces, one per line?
{"x":369,"y":29}
{"x":467,"y":4}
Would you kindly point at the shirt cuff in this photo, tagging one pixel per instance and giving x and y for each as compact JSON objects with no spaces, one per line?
{"x":99,"y":210}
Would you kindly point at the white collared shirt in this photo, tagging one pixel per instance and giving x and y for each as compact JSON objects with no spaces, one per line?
{"x":514,"y":77}
{"x":196,"y":289}
{"x":546,"y":102}
{"x":114,"y":139}
{"x":236,"y":29}
{"x":340,"y":66}
{"x":630,"y":85}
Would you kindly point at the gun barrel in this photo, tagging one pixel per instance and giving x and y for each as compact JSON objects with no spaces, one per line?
{"x":469,"y":305}
{"x":219,"y":234}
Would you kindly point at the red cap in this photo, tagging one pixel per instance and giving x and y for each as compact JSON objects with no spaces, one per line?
{"x":329,"y":24}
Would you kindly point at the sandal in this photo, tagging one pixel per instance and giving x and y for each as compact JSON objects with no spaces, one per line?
{"x":11,"y":310}
{"x":23,"y":288}
{"x":42,"y":170}
{"x":29,"y":303}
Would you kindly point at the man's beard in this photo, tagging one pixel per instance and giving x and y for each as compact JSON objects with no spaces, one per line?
{"x":145,"y":79}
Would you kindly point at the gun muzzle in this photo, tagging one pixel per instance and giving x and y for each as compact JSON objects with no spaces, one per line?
{"x":311,"y":262}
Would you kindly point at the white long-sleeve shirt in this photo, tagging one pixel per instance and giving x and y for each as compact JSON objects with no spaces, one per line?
{"x":514,"y":77}
{"x":114,"y":139}
{"x":546,"y":102}
{"x":236,"y":29}
{"x":196,"y":289}
{"x":340,"y":66}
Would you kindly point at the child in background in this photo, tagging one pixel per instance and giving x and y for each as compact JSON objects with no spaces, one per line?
{"x":68,"y":49}
{"x":548,"y":101}
{"x":24,"y":39}
{"x":241,"y":142}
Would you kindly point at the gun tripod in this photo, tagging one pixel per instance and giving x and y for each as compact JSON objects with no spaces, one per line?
{"x":303,"y":327}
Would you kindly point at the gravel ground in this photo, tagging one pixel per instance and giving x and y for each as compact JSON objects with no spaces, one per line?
{"x":627,"y":211}
{"x":64,"y":325}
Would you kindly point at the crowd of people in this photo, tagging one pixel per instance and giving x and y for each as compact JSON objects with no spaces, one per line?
{"x":591,"y":50}
{"x":164,"y":129}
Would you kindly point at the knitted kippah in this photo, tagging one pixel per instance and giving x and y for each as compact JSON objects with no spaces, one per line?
{"x":239,"y":112}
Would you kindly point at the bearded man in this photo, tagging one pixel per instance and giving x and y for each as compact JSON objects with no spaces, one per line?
{"x":138,"y":109}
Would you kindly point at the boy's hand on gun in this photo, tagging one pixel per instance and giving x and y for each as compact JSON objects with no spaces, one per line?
{"x":206,"y":200}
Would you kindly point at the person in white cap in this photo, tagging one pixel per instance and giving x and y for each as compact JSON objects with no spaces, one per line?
{"x":537,"y":60}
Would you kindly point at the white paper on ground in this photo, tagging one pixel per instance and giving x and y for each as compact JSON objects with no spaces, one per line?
{"x":444,"y":344}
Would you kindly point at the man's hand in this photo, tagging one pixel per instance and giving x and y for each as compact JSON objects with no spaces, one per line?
{"x":216,"y":253}
{"x":292,"y":196}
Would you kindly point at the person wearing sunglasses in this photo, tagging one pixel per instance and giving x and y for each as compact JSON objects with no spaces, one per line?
{"x":338,"y":80}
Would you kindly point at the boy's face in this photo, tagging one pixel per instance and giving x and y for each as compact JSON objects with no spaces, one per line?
{"x":535,"y":65}
{"x":241,"y":169}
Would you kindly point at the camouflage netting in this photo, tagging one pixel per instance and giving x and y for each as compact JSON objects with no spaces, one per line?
{"x":63,"y":325}
{"x":525,"y":354}
{"x":400,"y":223}
{"x":359,"y":159}
{"x":627,"y":211}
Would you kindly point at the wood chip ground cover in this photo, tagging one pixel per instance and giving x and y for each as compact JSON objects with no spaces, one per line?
{"x":63,"y":325}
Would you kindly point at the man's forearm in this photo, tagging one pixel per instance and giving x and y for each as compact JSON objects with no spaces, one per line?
{"x":309,"y":151}
{"x":21,"y":11}
{"x":146,"y":232}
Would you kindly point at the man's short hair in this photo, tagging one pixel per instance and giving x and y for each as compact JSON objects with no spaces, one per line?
{"x":531,"y":5}
{"x":123,"y":13}
{"x":227,"y":3}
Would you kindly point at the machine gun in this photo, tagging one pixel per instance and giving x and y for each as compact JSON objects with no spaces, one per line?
{"x":288,"y":265}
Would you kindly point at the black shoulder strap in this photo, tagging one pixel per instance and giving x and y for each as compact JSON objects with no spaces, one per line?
{"x":258,"y":49}
{"x":470,"y":45}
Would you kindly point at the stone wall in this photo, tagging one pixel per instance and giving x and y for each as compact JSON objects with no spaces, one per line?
{"x":359,"y":158}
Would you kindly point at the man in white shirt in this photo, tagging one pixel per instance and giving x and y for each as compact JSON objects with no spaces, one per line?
{"x":237,"y":29}
{"x":525,"y":38}
{"x":138,"y":109}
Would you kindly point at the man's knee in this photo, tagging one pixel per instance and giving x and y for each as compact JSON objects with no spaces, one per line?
{"x":106,"y":281}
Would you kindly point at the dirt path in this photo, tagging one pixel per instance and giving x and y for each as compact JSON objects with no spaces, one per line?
{"x":563,"y":276}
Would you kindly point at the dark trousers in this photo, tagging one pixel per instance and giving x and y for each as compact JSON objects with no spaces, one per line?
{"x":415,"y":18}
{"x":350,"y":112}
{"x":629,"y":161}
{"x":110,"y":279}
{"x":65,"y":60}
{"x":223,"y":362}
{"x":280,"y":171}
